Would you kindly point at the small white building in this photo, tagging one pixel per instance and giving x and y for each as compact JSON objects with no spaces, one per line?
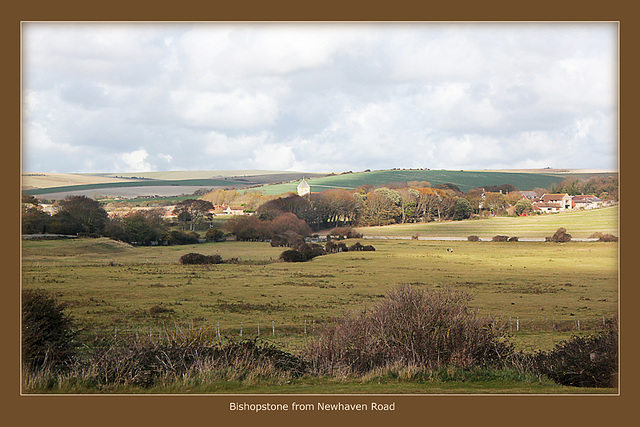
{"x":303,"y":188}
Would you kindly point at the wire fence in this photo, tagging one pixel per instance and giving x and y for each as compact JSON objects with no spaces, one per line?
{"x":272,"y":329}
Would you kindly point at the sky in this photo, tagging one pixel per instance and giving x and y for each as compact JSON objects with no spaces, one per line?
{"x":318,"y":97}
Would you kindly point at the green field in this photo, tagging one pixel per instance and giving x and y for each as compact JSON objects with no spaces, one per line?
{"x":530,"y":285}
{"x":580,"y":224}
{"x":465,"y":180}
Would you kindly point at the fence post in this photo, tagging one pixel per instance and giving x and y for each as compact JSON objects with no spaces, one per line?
{"x":578,"y":322}
{"x":240,"y":329}
{"x":314,"y":326}
{"x":258,"y":328}
{"x":510,"y":326}
{"x":305,"y":326}
{"x":273,"y":328}
{"x":518,"y":324}
{"x":554,"y":322}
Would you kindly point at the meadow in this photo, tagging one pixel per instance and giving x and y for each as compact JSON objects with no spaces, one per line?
{"x":580,"y":224}
{"x":538,"y":290}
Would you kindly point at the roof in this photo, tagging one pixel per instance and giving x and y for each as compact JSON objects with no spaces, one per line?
{"x":303,"y":184}
{"x":550,"y":197}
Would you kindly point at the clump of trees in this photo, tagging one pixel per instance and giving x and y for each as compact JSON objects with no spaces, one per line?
{"x":284,"y":228}
{"x":602,"y":187}
{"x":77,"y":215}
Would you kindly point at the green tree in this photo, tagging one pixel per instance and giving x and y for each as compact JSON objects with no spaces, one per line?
{"x":523,"y":206}
{"x":83,"y":214}
{"x":462,"y":209}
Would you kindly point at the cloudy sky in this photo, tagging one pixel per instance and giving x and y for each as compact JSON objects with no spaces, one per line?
{"x":322,"y":97}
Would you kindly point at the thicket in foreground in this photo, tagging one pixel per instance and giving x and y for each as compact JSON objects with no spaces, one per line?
{"x":583,"y":361}
{"x":47,"y":334}
{"x":422,"y":328}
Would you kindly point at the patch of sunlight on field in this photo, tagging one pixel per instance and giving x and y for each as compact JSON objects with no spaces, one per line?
{"x":107,"y":284}
{"x":580,"y":224}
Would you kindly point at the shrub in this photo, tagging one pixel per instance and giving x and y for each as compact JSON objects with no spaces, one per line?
{"x":368,"y":248}
{"x":157,"y":310}
{"x":341,"y":247}
{"x":473,"y":238}
{"x":513,"y":239}
{"x":425,"y":329}
{"x":214,"y":235}
{"x":177,"y":237}
{"x":278,"y":241}
{"x":292,"y":255}
{"x":500,"y":238}
{"x":590,"y":361}
{"x":47,"y":335}
{"x":344,"y":233}
{"x":195,"y":258}
{"x":311,"y":250}
{"x":145,"y":362}
{"x":330,"y":246}
{"x":357,"y":246}
{"x":608,"y":238}
{"x":560,"y":236}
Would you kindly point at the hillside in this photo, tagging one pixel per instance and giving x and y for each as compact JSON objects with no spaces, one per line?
{"x":57,"y":185}
{"x":465,"y":180}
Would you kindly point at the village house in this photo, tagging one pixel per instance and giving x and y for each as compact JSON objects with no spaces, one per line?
{"x":553,"y":203}
{"x":227,"y":210}
{"x":587,"y":202}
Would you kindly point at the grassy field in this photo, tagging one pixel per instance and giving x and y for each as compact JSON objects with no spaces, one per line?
{"x":526,"y":285}
{"x":465,"y":180}
{"x":580,"y":224}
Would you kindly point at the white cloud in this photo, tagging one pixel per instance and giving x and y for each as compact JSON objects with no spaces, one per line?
{"x":318,"y":97}
{"x":134,"y":161}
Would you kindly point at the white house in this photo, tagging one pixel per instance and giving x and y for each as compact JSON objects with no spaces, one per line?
{"x":303,"y":188}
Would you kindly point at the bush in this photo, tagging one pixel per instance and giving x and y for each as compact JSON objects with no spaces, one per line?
{"x":47,"y":335}
{"x":608,"y":238}
{"x":500,"y":238}
{"x":590,"y":361}
{"x":473,"y":238}
{"x":425,"y":329}
{"x":513,"y":239}
{"x":214,"y":235}
{"x":195,"y":258}
{"x":145,"y":362}
{"x":344,"y":233}
{"x":560,"y":236}
{"x":177,"y":237}
{"x":341,"y":247}
{"x":292,"y":255}
{"x":311,"y":250}
{"x":357,"y":246}
{"x":368,"y":248}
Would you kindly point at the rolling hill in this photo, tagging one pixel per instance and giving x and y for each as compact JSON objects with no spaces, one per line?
{"x":465,"y":180}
